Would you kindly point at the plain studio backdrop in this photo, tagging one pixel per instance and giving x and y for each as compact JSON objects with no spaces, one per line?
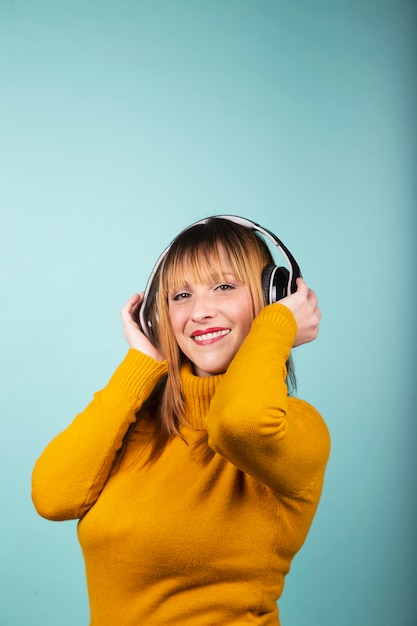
{"x":123,"y":121}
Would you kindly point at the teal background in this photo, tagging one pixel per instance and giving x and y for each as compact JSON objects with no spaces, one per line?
{"x":121,"y":123}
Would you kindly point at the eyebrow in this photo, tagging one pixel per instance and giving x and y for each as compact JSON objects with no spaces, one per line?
{"x":213,"y":277}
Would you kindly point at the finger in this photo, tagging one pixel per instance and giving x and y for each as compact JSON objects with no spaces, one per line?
{"x":302,"y":288}
{"x":312,"y":298}
{"x":130,"y":305}
{"x":136,"y":302}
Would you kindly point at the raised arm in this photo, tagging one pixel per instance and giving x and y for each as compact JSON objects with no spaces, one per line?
{"x":72,"y":470}
{"x":280,"y":441}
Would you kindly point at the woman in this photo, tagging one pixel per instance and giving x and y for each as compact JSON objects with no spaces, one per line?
{"x":195,"y":475}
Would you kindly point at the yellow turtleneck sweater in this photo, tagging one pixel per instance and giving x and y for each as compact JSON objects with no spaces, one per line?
{"x":178,"y":542}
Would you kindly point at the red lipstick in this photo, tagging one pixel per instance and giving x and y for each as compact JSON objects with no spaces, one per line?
{"x":215,"y":329}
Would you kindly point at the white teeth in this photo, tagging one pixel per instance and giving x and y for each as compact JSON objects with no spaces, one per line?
{"x":208,"y":336}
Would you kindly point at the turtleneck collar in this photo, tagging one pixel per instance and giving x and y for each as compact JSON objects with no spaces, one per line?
{"x":198,"y":392}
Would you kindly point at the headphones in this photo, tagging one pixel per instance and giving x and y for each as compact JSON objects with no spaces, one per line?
{"x":277,"y":282}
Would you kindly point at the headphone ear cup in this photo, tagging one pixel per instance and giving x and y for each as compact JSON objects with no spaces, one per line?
{"x":274,"y":283}
{"x":266,"y":281}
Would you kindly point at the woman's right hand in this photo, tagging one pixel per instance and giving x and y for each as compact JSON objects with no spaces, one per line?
{"x":135,"y":337}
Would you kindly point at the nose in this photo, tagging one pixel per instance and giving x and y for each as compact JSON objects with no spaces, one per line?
{"x":203,"y":307}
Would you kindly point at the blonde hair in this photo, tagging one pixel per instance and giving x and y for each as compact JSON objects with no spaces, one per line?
{"x":197,"y":251}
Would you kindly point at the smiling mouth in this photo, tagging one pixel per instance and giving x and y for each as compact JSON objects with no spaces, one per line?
{"x":210,"y":336}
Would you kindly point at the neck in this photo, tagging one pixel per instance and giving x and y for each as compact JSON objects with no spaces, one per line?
{"x":198,"y":392}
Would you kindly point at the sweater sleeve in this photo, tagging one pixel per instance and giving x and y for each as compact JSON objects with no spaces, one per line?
{"x":72,"y":470}
{"x":281,"y":441}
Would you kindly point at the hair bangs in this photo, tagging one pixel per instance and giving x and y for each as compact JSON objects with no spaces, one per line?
{"x":201,"y":263}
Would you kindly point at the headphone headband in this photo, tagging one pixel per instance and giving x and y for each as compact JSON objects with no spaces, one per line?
{"x":274,"y":273}
{"x":293,"y":268}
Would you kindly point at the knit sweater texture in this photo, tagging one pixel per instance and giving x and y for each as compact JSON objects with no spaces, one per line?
{"x":179,"y":542}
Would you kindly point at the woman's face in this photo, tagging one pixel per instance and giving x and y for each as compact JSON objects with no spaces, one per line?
{"x":210,"y":320}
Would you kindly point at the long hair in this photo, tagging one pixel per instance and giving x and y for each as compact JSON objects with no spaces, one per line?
{"x":196,"y":251}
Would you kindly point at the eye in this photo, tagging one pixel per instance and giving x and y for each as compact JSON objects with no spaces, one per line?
{"x":225,"y":287}
{"x":182,"y":295}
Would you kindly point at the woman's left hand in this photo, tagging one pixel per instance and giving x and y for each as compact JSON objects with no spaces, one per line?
{"x":303,"y":304}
